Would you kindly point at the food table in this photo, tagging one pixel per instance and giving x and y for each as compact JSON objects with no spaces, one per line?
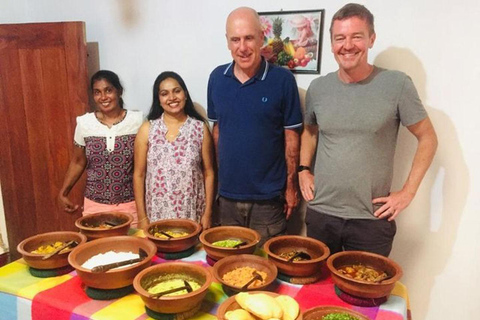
{"x":24,"y":297}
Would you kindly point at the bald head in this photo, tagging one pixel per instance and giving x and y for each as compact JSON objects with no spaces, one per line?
{"x":245,"y":39}
{"x":244,"y":14}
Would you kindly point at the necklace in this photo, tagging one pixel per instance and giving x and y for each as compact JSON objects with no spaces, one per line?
{"x":111,"y":121}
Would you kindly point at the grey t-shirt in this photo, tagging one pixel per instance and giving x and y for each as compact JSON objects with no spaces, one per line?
{"x":358,"y":126}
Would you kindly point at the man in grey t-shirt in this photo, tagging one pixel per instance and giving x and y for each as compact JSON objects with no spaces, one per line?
{"x":351,"y":124}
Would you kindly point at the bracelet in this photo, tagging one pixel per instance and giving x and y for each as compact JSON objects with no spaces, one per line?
{"x":144,"y":218}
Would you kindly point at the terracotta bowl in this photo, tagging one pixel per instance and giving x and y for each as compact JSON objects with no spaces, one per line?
{"x":364,"y":289}
{"x":230,"y":263}
{"x":167,"y":270}
{"x":317,"y":250}
{"x":174,"y":244}
{"x":114,"y":278}
{"x":90,"y":225}
{"x":231,"y":304}
{"x":317,"y":313}
{"x":212,"y":235}
{"x":59,"y":260}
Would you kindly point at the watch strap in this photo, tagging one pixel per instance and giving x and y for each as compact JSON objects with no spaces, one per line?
{"x":301,"y":168}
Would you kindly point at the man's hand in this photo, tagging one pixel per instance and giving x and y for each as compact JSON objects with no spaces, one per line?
{"x":291,"y":201}
{"x":307,"y":185}
{"x":393,"y":204}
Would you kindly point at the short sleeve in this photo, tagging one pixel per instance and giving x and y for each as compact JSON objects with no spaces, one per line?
{"x":79,"y":137}
{"x":292,"y":111}
{"x":309,"y":117}
{"x":138,"y":119}
{"x":211,"y":112}
{"x":410,"y":107}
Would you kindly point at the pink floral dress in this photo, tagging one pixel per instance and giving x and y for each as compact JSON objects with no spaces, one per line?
{"x":174,"y":184}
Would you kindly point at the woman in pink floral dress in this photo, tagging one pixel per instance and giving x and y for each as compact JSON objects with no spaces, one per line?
{"x":174,"y":175}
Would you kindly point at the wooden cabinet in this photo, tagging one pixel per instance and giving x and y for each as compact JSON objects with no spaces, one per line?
{"x":43,"y":87}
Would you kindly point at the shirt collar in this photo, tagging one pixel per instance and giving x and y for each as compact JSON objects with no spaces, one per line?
{"x":260,"y":75}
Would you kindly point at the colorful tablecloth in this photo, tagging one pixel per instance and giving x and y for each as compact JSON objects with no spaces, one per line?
{"x":25,"y":297}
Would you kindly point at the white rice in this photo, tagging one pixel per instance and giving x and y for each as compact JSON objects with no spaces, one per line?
{"x":109,"y":257}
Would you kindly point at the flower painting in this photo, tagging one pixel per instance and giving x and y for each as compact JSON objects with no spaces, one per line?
{"x":293,"y":39}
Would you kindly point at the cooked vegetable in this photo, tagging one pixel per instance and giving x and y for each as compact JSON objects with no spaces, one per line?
{"x":300,"y":255}
{"x":49,"y":248}
{"x":339,"y":316}
{"x":172,"y":284}
{"x":228,"y":243}
{"x":361,"y":272}
{"x":240,"y":276}
{"x":172,"y":233}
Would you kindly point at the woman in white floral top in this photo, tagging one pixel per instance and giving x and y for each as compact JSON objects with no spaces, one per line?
{"x":174,"y":172}
{"x":103,"y":148}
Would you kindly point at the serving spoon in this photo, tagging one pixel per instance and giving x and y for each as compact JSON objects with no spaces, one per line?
{"x":68,"y":244}
{"x":142,"y":254}
{"x":166,"y":234}
{"x":382,"y":278}
{"x":186,"y":286}
{"x":300,"y":254}
{"x":256,"y":276}
{"x":112,"y":223}
{"x":238,"y":245}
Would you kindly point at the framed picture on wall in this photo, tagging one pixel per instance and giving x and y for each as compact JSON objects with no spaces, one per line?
{"x":293,"y":39}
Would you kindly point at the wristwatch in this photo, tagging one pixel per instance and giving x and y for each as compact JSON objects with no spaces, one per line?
{"x":301,"y":168}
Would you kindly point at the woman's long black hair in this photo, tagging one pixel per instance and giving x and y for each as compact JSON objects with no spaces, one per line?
{"x":156,"y":110}
{"x":112,"y":78}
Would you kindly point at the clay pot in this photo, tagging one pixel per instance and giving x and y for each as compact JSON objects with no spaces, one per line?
{"x":89,"y":224}
{"x":114,"y":278}
{"x":169,"y":270}
{"x":212,"y":235}
{"x":169,"y":245}
{"x":359,"y":288}
{"x":317,"y":313}
{"x":231,"y":263}
{"x":58,"y":260}
{"x":317,"y":250}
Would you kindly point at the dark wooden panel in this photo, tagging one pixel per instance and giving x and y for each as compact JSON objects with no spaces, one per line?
{"x":43,"y":87}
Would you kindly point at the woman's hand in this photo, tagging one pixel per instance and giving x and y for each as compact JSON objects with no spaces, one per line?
{"x":65,"y":204}
{"x":143,"y":223}
{"x":206,"y":220}
{"x":74,"y":172}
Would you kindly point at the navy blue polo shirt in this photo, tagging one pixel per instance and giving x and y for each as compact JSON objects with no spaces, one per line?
{"x":251,"y":119}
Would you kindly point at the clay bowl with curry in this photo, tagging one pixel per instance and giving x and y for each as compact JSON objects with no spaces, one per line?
{"x":245,"y":272}
{"x":224,"y":241}
{"x":35,"y":249}
{"x":173,"y":235}
{"x":104,"y":224}
{"x":333,"y":312}
{"x":297,"y":256}
{"x":173,"y":287}
{"x":364,"y":274}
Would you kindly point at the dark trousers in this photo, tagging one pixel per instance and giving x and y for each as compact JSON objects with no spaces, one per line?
{"x":267,"y":217}
{"x":351,"y":234}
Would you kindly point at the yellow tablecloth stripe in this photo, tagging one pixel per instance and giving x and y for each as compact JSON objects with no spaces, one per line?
{"x":401,"y":290}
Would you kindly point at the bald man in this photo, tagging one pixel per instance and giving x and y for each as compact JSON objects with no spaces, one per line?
{"x":256,"y":113}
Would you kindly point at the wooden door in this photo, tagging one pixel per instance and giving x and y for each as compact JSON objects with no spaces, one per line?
{"x":43,"y":87}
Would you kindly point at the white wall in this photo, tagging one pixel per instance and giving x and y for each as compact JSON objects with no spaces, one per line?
{"x":434,"y":41}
